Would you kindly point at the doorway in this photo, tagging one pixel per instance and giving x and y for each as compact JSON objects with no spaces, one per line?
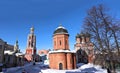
{"x":60,"y":66}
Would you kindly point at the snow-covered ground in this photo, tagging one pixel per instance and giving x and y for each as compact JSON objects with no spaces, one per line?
{"x":42,"y":68}
{"x":83,"y":68}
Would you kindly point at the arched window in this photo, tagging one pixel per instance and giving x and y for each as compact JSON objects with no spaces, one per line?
{"x":60,"y":66}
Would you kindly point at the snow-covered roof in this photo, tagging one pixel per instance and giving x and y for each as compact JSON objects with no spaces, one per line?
{"x":61,"y":51}
{"x":60,"y":27}
{"x":8,"y":52}
{"x":42,"y":54}
{"x":18,"y":54}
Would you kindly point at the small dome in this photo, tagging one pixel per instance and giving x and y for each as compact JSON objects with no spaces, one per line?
{"x":60,"y":30}
{"x":77,"y":36}
{"x":32,"y":28}
{"x":16,"y":41}
{"x":87,"y":34}
{"x":82,"y":34}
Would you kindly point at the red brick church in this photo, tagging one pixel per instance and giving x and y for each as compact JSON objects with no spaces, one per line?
{"x":61,"y":57}
{"x":30,"y":54}
{"x":84,"y":48}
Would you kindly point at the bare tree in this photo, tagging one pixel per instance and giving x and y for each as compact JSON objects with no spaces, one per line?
{"x":103,"y":28}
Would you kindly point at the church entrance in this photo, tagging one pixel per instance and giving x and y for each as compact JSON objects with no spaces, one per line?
{"x":82,"y":56}
{"x":60,"y":66}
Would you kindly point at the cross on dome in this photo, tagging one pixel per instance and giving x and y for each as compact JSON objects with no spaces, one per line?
{"x":60,"y":26}
{"x":32,"y":30}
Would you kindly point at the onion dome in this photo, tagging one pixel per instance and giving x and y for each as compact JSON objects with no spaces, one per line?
{"x":87,"y":34}
{"x":82,"y":34}
{"x":60,"y":30}
{"x":77,"y":36}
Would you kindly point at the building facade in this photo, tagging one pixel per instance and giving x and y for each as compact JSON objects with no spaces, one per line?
{"x":41,"y":52}
{"x":44,"y":55}
{"x":84,"y":48}
{"x":31,"y":46}
{"x":2,"y":46}
{"x":13,"y":57}
{"x":61,"y":57}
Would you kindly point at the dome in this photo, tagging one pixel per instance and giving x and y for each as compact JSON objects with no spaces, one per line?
{"x":60,"y":30}
{"x":82,"y":34}
{"x":87,"y":34}
{"x":32,"y":30}
{"x":77,"y":36}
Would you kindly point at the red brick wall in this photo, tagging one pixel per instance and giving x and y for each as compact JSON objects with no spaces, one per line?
{"x":28,"y":55}
{"x":61,"y":42}
{"x":67,"y":59}
{"x":55,"y":59}
{"x":28,"y":51}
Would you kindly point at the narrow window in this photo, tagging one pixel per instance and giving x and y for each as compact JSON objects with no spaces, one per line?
{"x":66,"y":42}
{"x":60,"y":42}
{"x":55,"y":43}
{"x":42,"y":52}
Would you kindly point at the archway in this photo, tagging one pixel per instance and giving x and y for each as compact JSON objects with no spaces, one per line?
{"x":60,"y":66}
{"x":81,"y":56}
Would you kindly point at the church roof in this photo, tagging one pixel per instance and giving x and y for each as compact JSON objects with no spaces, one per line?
{"x":18,"y":54}
{"x":60,"y":30}
{"x":83,"y":35}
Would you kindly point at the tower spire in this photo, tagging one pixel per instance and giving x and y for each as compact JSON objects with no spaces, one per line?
{"x":32,"y":30}
{"x":16,"y":46}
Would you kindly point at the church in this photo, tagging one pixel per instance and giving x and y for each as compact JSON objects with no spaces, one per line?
{"x":61,"y":57}
{"x":84,"y":48}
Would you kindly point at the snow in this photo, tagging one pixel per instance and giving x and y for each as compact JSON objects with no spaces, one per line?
{"x":18,"y":54}
{"x":42,"y":68}
{"x":92,"y":68}
{"x":84,"y":68}
{"x":60,"y":27}
{"x":59,"y":51}
{"x":8,"y":52}
{"x":79,"y":65}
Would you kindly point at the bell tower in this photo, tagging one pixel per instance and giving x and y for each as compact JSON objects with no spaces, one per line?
{"x":31,"y":42}
{"x":31,"y":46}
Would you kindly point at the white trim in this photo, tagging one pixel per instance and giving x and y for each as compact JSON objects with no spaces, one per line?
{"x":61,"y":51}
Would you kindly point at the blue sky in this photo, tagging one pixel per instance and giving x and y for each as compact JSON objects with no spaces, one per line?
{"x":17,"y":16}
